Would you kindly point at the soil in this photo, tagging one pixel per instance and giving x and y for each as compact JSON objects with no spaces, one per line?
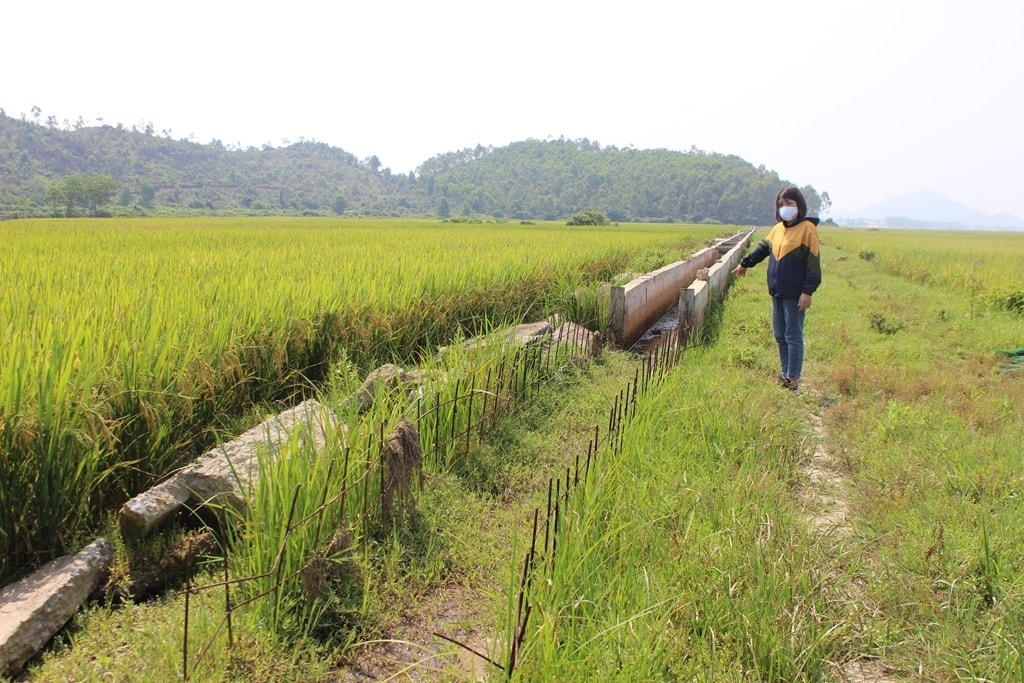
{"x":414,"y":652}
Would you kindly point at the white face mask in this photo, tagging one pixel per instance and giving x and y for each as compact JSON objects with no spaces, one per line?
{"x":787,"y":213}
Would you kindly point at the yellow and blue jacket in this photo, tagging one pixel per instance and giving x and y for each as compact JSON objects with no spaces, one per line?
{"x":794,"y":263}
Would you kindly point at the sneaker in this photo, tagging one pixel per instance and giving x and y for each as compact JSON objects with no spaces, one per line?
{"x":784,"y":381}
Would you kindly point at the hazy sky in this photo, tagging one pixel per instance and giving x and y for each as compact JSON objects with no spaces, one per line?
{"x":865,"y":99}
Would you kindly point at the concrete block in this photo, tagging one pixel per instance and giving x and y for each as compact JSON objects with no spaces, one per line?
{"x":225,"y":475}
{"x":33,"y":609}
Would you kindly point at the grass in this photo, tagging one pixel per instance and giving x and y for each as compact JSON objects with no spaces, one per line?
{"x":693,"y":556}
{"x":930,"y":433}
{"x":691,"y":553}
{"x":687,"y":556}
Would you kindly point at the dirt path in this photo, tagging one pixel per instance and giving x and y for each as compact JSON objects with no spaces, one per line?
{"x":826,"y":502}
{"x":412,"y":652}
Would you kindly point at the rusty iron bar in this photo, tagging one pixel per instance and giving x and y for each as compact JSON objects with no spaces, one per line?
{"x":227,"y":599}
{"x":554,"y":534}
{"x":523,"y":583}
{"x":524,"y":607}
{"x":454,"y":413}
{"x":547,"y":518}
{"x":188,"y":592}
{"x":547,"y":360}
{"x":568,"y":482}
{"x":482,"y":425}
{"x":437,"y":426}
{"x":366,"y":495}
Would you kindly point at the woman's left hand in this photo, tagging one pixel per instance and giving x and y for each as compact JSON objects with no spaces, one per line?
{"x":804,"y":302}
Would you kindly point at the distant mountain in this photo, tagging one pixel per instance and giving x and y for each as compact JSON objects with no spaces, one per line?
{"x":927,"y":209}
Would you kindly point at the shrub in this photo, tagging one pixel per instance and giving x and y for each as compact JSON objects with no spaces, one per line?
{"x":588,"y":217}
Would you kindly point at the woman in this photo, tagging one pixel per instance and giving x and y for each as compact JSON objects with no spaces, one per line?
{"x":794,"y":273}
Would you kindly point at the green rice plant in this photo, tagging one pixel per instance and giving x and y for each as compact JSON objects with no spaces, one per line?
{"x":142,"y":338}
{"x":978,"y":263}
{"x":691,"y":553}
{"x":301,"y":536}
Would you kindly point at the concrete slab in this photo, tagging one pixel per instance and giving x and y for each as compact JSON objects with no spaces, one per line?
{"x":225,"y":475}
{"x":35,"y":608}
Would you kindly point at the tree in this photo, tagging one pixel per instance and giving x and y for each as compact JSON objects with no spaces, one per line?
{"x":99,"y":189}
{"x":339,"y":205}
{"x":93,"y":190}
{"x":147,"y":194}
{"x":67,"y":192}
{"x":124,"y":198}
{"x":826,"y":204}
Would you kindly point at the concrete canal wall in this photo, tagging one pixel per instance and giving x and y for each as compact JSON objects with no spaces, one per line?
{"x":637,"y":305}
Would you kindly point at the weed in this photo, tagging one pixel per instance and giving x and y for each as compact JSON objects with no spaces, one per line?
{"x":1008,"y":299}
{"x":883,"y":325}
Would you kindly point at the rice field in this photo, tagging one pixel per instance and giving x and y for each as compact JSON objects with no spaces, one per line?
{"x":983,"y":265}
{"x":132,"y":345}
{"x":706,"y":543}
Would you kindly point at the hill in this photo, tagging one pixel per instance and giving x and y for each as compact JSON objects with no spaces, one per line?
{"x":927,"y":209}
{"x":532,"y":179}
{"x":554,"y":179}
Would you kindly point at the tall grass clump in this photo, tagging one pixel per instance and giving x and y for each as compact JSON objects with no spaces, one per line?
{"x":131,"y":344}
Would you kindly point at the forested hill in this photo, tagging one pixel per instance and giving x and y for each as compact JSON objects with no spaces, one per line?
{"x":557,"y":178}
{"x":147,"y":173}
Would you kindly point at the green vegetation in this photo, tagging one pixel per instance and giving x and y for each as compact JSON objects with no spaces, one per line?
{"x":131,"y":345}
{"x":588,"y":217}
{"x":977,"y":264}
{"x":698,"y":552}
{"x":92,"y":191}
{"x":528,"y":180}
{"x":725,"y":536}
{"x":556,"y":179}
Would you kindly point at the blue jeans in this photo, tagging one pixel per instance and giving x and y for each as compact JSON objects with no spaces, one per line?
{"x":788,"y":325}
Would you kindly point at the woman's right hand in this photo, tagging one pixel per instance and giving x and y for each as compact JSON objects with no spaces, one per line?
{"x":740,"y":270}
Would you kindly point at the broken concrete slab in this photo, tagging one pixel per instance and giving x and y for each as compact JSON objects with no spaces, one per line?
{"x":528,"y":332}
{"x":35,"y":608}
{"x":525,"y":333}
{"x":225,"y":475}
{"x":387,"y":376}
{"x":579,"y":336}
